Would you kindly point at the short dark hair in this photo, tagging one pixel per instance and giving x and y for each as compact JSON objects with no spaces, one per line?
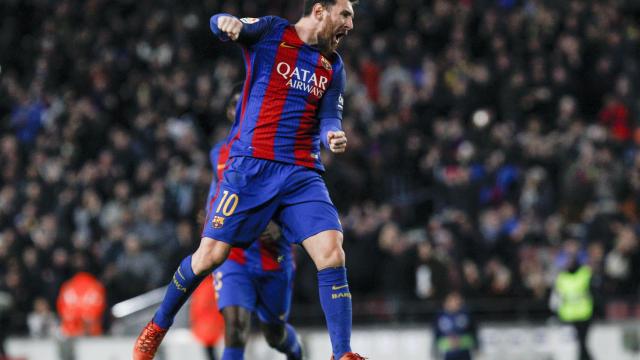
{"x":308,"y":5}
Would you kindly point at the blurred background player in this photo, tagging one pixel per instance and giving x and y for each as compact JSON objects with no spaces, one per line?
{"x":207,"y":324}
{"x":572,"y":299}
{"x":455,"y":332}
{"x":256,"y":279}
{"x":292,"y":100}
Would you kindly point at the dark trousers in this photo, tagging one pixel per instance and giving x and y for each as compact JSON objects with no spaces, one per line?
{"x":458,"y":355}
{"x":210,"y":351}
{"x":582,"y":329}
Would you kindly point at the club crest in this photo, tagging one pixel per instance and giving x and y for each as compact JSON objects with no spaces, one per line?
{"x":325,"y":63}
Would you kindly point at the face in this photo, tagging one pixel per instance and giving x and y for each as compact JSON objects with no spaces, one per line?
{"x":453,"y":302}
{"x":337,"y":21}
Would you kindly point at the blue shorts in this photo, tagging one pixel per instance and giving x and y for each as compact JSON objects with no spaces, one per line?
{"x":253,"y":191}
{"x":267,"y":293}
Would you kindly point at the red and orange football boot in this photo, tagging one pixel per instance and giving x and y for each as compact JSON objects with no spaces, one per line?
{"x":350,"y":356}
{"x":148,"y":342}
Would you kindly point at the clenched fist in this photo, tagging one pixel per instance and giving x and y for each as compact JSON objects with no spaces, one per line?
{"x":337,"y":141}
{"x":230,"y":26}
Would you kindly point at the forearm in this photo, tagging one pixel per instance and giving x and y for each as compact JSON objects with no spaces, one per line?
{"x":326,"y":125}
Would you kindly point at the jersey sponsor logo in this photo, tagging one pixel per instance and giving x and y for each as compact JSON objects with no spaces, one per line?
{"x":302,"y":79}
{"x":249,"y":20}
{"x":217,"y":222}
{"x":339,"y":287}
{"x":288,"y":46}
{"x":325,"y":63}
{"x":340,"y":102}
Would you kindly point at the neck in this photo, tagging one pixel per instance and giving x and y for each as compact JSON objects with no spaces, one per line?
{"x":306,"y":31}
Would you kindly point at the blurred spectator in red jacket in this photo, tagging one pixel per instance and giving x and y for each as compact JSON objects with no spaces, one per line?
{"x":207,"y":324}
{"x":81,"y":304}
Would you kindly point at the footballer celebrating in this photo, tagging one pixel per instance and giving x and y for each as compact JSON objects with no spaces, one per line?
{"x":291,"y":102}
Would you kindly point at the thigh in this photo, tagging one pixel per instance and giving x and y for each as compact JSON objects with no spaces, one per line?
{"x":244,"y":202}
{"x":304,"y":220}
{"x":306,"y":208}
{"x":237,"y":324}
{"x":237,"y":318}
{"x":274,"y":296}
{"x":234,"y":286}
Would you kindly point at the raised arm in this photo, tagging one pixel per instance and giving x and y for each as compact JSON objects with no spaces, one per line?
{"x":246,"y":31}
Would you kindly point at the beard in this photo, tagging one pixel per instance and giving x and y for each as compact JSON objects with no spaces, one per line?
{"x":327,"y":42}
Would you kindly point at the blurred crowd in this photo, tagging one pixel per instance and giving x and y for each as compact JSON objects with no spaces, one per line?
{"x":489,"y":142}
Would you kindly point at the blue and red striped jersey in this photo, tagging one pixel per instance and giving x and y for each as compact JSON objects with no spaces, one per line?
{"x":291,"y":93}
{"x":262,"y":254}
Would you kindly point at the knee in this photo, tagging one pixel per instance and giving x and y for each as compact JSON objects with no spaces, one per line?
{"x":334,"y":257}
{"x":236,"y":333}
{"x":210,"y":254}
{"x":328,"y":251}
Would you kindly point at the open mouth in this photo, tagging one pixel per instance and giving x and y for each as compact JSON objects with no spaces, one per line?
{"x":339,"y":36}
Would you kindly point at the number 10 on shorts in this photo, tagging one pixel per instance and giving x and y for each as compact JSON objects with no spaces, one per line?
{"x":227,"y":205}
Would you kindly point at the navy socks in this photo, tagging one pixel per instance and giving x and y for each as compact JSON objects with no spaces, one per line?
{"x":233,"y":353}
{"x":290,"y":346}
{"x":335,"y":299}
{"x":183,"y":283}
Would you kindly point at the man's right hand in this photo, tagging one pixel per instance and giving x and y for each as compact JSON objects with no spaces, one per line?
{"x":230,"y":26}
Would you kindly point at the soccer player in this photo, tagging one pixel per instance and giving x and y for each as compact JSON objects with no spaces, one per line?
{"x":291,"y":102}
{"x":259,"y":278}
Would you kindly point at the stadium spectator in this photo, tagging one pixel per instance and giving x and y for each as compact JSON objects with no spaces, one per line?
{"x":42,"y":321}
{"x":572,"y":299}
{"x":621,"y":264}
{"x":207,"y":323}
{"x":5,"y":320}
{"x":430,"y":273}
{"x":455,"y":330}
{"x":81,"y":304}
